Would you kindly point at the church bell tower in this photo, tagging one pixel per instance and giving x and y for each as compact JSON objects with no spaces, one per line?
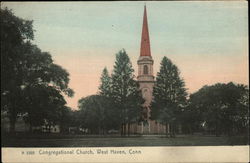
{"x":145,"y":74}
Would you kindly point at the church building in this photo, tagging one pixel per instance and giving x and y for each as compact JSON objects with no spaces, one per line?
{"x":146,"y":81}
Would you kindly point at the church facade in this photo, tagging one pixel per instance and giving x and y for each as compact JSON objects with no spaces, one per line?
{"x":146,"y":81}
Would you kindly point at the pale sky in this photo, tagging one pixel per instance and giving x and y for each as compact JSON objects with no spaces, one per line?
{"x":208,"y":41}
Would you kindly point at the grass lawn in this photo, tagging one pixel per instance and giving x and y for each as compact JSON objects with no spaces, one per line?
{"x":116,"y":141}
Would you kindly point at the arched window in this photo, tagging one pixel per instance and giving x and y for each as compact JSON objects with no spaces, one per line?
{"x":145,"y":69}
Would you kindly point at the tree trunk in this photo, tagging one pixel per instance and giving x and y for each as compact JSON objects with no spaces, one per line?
{"x":49,"y":128}
{"x":12,"y":125}
{"x":99,"y":130}
{"x":189,"y":129}
{"x":121,"y":129}
{"x":173,"y":129}
{"x":170,"y":129}
{"x":12,"y":118}
{"x":30,"y":128}
{"x":124,"y":129}
{"x":103,"y":130}
{"x":128,"y":129}
{"x":216,"y":123}
{"x":166,"y":129}
{"x":216,"y":129}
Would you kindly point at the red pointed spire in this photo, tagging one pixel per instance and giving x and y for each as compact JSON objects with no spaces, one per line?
{"x":145,"y":43}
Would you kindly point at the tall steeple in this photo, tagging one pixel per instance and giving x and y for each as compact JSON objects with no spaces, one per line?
{"x":146,"y":82}
{"x":145,"y":42}
{"x":145,"y":73}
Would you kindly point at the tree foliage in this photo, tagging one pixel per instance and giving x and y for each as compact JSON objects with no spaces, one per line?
{"x":105,"y":89}
{"x":223,"y":108}
{"x":30,"y":83}
{"x":105,"y":86}
{"x":95,"y":114}
{"x":169,"y":94}
{"x":125,"y":92}
{"x":15,"y":32}
{"x":119,"y":101}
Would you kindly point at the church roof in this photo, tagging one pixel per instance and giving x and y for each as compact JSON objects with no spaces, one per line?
{"x":145,"y":42}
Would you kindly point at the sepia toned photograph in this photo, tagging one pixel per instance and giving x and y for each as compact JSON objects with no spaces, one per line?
{"x":119,"y":77}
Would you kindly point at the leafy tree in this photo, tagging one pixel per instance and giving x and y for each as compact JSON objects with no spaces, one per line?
{"x":169,"y":95}
{"x":105,"y":89}
{"x":191,"y":120}
{"x":119,"y":101}
{"x":31,"y":82}
{"x":105,"y":86}
{"x":133,"y":103}
{"x":43,"y":105}
{"x":94,"y":112}
{"x":15,"y":32}
{"x":70,"y":118}
{"x":43,"y":77}
{"x":124,"y":91}
{"x":65,"y":119}
{"x":223,"y":107}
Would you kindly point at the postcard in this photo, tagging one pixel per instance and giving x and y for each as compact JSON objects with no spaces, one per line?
{"x":153,"y":81}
